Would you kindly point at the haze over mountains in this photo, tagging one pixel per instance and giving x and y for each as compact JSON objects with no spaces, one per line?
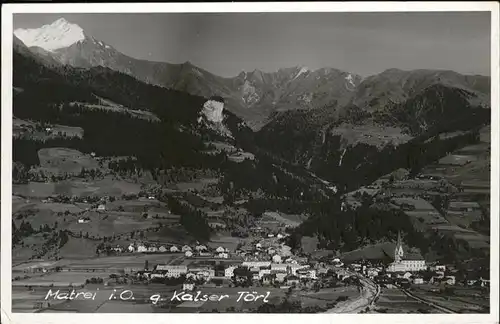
{"x":256,"y":95}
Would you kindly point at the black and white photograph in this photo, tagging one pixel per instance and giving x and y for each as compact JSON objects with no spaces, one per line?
{"x":326,"y":162}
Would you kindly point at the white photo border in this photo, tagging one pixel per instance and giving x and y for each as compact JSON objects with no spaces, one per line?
{"x":6,"y":157}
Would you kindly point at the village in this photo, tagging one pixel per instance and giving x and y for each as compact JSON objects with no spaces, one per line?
{"x":267,"y":266}
{"x":129,"y":255}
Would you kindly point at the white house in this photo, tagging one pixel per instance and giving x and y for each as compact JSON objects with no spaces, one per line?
{"x":186,"y":248}
{"x":440,"y":267}
{"x":101,"y":207}
{"x":229,"y":271}
{"x":188,"y":286}
{"x":83,"y":220}
{"x":263,"y":272}
{"x":205,"y":273}
{"x":173,"y":271}
{"x":306,"y":274}
{"x":220,"y":249}
{"x":159,"y":274}
{"x":223,"y":255}
{"x":174,"y":249}
{"x":450,"y":280}
{"x":418,"y":281}
{"x":287,"y":267}
{"x":285,"y":251}
{"x":201,"y":248}
{"x":188,"y":254}
{"x":280,"y":276}
{"x":141,"y":248}
{"x":152,"y":249}
{"x":131,"y":248}
{"x":276,"y":259}
{"x":407,"y":275}
{"x":162,"y":249}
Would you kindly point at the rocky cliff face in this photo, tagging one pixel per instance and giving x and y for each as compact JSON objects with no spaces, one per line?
{"x":212,"y":110}
{"x":212,"y":116}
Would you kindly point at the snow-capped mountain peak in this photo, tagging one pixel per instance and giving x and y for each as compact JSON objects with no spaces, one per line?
{"x":302,"y":70}
{"x":59,"y":34}
{"x":350,"y":80}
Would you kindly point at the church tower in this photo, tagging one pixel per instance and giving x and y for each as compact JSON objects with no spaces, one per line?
{"x":398,"y":251}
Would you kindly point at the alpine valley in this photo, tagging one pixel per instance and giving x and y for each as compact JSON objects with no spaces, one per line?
{"x":330,"y":153}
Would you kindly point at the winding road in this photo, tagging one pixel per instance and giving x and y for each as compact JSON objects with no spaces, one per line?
{"x":369,"y":293}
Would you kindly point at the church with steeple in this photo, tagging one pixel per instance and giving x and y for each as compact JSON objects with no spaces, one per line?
{"x":405,"y":262}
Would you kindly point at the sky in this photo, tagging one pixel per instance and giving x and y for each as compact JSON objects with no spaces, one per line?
{"x":228,"y":43}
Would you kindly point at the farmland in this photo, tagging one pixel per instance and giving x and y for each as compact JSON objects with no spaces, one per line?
{"x":34,"y":130}
{"x":394,"y":301}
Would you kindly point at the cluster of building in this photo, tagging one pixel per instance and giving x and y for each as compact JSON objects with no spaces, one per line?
{"x":411,"y":268}
{"x":259,"y":264}
{"x":188,"y":251}
{"x":234,"y":272}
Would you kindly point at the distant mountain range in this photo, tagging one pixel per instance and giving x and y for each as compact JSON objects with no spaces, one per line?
{"x":257,"y":97}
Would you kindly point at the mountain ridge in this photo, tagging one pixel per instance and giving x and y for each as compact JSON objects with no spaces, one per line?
{"x":258,"y":96}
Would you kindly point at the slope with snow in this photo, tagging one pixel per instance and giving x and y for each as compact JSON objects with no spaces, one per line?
{"x":59,"y":34}
{"x":302,"y":71}
{"x":350,"y":82}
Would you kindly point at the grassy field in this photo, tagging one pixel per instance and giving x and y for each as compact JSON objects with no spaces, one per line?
{"x":370,"y":135}
{"x":108,"y":105}
{"x":78,"y":248}
{"x":228,"y":242}
{"x":326,"y":296}
{"x":394,"y":301}
{"x":112,"y":223}
{"x":32,"y":244}
{"x":286,"y":219}
{"x":196,"y":185}
{"x":455,"y":159}
{"x":58,"y":160}
{"x":38,"y":213}
{"x":78,"y":187}
{"x":24,"y":300}
{"x":60,"y":279}
{"x":459,"y":305}
{"x":173,"y":234}
{"x":22,"y":127}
